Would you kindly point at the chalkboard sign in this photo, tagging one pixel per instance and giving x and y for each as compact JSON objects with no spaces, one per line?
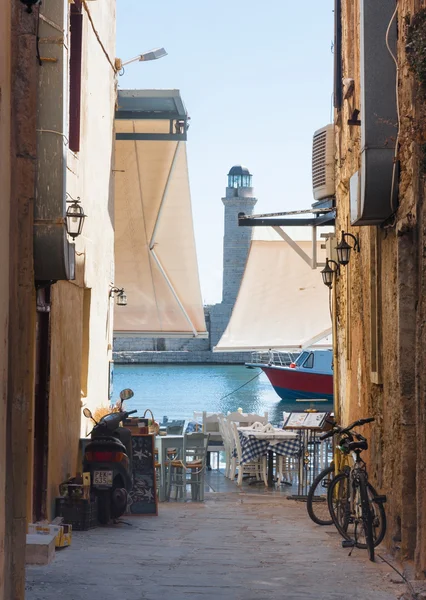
{"x":143,"y":497}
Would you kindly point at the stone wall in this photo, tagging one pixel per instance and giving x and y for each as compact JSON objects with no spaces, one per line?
{"x":144,"y":344}
{"x":5,"y":183}
{"x":380,"y":311}
{"x":183,"y":358}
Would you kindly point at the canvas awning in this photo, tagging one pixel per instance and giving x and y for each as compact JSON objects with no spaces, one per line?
{"x":155,"y":255}
{"x":282,"y":303}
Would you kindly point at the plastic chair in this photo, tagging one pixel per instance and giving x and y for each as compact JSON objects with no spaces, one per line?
{"x":193,"y":464}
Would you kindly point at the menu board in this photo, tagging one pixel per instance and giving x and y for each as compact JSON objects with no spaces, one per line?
{"x":309,"y":420}
{"x":142,"y":499}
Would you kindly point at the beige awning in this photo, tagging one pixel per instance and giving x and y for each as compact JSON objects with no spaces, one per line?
{"x":282,"y":303}
{"x":155,"y":255}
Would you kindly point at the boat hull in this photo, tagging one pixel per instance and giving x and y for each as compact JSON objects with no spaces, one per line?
{"x":301,"y":390}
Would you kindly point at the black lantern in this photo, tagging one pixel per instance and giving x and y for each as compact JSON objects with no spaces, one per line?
{"x":121,"y":296}
{"x":328,"y":273}
{"x":29,"y":4}
{"x":74,"y":218}
{"x":344,"y":249}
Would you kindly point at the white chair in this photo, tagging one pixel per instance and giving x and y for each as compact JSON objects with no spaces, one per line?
{"x":245,"y":420}
{"x":256,"y":468}
{"x":211,"y":427}
{"x":257,"y":426}
{"x":228,"y":444}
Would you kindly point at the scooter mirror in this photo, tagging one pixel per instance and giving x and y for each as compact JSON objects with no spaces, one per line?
{"x":126,"y":394}
{"x":87,"y":413}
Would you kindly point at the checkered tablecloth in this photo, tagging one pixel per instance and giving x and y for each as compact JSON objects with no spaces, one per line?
{"x":252,"y":447}
{"x":193,"y":426}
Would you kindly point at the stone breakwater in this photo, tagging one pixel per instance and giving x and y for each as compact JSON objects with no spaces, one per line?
{"x":180,"y":357}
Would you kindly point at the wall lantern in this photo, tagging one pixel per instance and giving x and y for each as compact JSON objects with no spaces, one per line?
{"x":344,"y":249}
{"x":328,"y":273}
{"x":121,"y":296}
{"x":74,"y":217}
{"x":29,"y":4}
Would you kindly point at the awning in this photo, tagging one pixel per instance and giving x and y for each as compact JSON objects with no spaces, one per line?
{"x":155,"y":256}
{"x":282,"y":303}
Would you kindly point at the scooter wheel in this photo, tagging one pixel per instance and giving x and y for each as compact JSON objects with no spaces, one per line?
{"x":119,"y":502}
{"x":104,"y":507}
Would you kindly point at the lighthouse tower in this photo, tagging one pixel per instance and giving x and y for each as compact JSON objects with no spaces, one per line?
{"x":236,"y":243}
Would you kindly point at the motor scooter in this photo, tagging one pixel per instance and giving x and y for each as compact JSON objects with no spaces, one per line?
{"x":108,"y":458}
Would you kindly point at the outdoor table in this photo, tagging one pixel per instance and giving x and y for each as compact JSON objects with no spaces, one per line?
{"x":164,"y":443}
{"x":257,"y":443}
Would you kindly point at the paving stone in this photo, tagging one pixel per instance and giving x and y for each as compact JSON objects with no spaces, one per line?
{"x":264,"y":547}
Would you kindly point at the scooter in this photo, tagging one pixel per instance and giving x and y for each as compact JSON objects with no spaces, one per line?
{"x":108,"y":458}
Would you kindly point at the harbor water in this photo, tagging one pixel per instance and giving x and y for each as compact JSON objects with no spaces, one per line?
{"x":176,"y":391}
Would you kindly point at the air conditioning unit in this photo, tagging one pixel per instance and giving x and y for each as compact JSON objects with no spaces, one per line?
{"x":323,"y":151}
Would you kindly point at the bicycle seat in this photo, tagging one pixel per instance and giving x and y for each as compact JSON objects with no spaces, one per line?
{"x":362,"y":445}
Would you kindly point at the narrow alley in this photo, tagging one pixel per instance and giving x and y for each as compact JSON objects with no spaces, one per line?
{"x":235,"y":546}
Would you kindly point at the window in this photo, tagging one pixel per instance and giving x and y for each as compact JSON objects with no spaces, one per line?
{"x":301,"y":359}
{"x":76,"y":34}
{"x":309,"y":362}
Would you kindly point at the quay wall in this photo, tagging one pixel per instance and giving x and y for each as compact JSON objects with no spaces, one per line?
{"x":181,"y":357}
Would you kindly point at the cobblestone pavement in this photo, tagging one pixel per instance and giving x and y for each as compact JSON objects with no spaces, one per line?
{"x":232,"y":547}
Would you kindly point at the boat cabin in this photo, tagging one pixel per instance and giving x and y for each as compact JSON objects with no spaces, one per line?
{"x":318,"y":361}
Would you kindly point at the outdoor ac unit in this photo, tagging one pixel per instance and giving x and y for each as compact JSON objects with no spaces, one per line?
{"x":323,"y":163}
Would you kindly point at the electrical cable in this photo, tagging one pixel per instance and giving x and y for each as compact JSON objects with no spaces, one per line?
{"x":97,"y":36}
{"x":241,"y":386}
{"x":399,"y":573}
{"x":394,"y":58}
{"x":56,"y":132}
{"x":38,"y":38}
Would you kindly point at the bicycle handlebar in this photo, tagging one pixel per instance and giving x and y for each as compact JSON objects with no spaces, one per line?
{"x":338,"y":429}
{"x":131,"y":412}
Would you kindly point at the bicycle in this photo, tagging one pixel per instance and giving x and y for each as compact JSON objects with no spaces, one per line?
{"x":316,"y":502}
{"x":355,"y":508}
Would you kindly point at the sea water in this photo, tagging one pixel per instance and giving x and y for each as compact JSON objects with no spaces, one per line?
{"x":176,"y":391}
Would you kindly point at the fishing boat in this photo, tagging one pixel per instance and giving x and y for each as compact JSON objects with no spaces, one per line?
{"x":305,"y":382}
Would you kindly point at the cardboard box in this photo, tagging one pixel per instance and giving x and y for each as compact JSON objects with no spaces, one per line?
{"x":62,"y":533}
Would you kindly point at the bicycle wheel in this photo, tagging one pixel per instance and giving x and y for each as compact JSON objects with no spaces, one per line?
{"x":317,"y":498}
{"x":347,"y":523}
{"x":367,"y":515}
{"x":338,"y":500}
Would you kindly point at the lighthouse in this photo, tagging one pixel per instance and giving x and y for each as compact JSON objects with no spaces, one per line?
{"x":238,"y":199}
{"x":236,"y":240}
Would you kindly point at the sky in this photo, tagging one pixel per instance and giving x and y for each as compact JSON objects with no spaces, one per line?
{"x":256,"y":79}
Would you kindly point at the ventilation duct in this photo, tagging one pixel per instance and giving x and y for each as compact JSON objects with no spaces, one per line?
{"x":372,"y":196}
{"x":323,"y":163}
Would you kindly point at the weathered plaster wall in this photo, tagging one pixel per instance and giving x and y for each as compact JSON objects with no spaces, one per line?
{"x":90,"y":176}
{"x":21,"y":292}
{"x":65,"y":372}
{"x":81,"y":313}
{"x":378,"y":302}
{"x":5,"y":176}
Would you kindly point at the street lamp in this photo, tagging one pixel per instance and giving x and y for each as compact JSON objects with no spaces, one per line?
{"x":74,"y":217}
{"x":151,"y":55}
{"x":343,"y":249}
{"x":121,"y":296}
{"x":328,"y":273}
